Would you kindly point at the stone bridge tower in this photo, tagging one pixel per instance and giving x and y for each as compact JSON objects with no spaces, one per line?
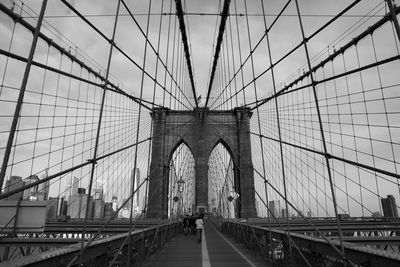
{"x":201,"y":130}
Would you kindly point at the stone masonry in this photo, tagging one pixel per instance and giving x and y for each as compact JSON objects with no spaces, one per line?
{"x":201,"y":130}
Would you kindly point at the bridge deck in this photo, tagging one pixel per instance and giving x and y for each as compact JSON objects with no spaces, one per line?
{"x":214,"y":250}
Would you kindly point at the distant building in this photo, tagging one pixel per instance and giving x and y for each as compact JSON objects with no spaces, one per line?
{"x":126,"y":209}
{"x":81,"y":190}
{"x":124,"y":213}
{"x":283,"y":213}
{"x":108,"y":210}
{"x":274,"y":208}
{"x":62,"y":207}
{"x":71,"y":186}
{"x":128,"y":203}
{"x":51,"y":208}
{"x":44,"y":189}
{"x":114,"y":203}
{"x":30,"y":193}
{"x":38,"y":192}
{"x":98,"y":193}
{"x":389,"y":207}
{"x":98,"y":209}
{"x":257,"y":206}
{"x":135,"y":179}
{"x":376,"y":214}
{"x":77,"y":205}
{"x":37,"y":196}
{"x":12,"y":184}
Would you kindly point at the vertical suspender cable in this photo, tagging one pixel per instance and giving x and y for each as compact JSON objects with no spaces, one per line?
{"x":137,"y":139}
{"x":21,"y":95}
{"x":224,"y":16}
{"x":328,"y":167}
{"x":94,"y":160}
{"x":179,"y":13}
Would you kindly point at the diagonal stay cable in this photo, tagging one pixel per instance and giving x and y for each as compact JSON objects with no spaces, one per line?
{"x":154,"y":50}
{"x":121,"y":51}
{"x":280,"y":14}
{"x":224,"y":16}
{"x":106,"y":223}
{"x":301,"y":43}
{"x":89,"y":161}
{"x":182,"y":27}
{"x":85,"y":80}
{"x":289,"y":238}
{"x":322,"y":236}
{"x":338,"y":52}
{"x":64,"y":52}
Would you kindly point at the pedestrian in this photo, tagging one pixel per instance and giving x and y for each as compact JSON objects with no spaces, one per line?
{"x":199,"y":227}
{"x":186,"y":224}
{"x":192,"y":224}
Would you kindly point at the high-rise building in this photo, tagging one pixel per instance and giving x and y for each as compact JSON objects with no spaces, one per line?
{"x":12,"y":184}
{"x":274,"y":208}
{"x":114,"y":203}
{"x":98,"y":209}
{"x":44,"y":189}
{"x":125,"y":211}
{"x":71,"y":186}
{"x":135,"y":179}
{"x":389,"y":207}
{"x":98,"y":193}
{"x":51,"y":208}
{"x":77,"y":205}
{"x":283,"y":213}
{"x":97,"y":190}
{"x":30,"y":193}
{"x":62,"y":207}
{"x":108,"y":210}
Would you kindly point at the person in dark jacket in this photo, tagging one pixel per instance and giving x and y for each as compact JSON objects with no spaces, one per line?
{"x":192,"y":224}
{"x":186,"y":224}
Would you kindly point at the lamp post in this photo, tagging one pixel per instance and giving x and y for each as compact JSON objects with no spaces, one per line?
{"x":180,"y":183}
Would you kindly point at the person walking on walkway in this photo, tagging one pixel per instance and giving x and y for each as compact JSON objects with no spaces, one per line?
{"x":186,"y":224}
{"x":199,"y":227}
{"x":192,"y":224}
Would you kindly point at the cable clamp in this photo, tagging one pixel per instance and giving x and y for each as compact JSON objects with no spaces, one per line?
{"x":93,"y":161}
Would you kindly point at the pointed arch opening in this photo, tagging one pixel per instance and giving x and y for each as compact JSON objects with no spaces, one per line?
{"x":181,"y":180}
{"x":222,"y":193}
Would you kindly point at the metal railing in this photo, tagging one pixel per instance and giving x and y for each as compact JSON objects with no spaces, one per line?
{"x":108,"y":251}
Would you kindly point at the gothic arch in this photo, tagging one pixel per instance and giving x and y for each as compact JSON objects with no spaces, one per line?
{"x":175,"y":147}
{"x":227,"y":146}
{"x":201,"y":130}
{"x":236,"y":169}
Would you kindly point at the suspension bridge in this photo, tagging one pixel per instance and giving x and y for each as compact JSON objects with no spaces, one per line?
{"x":278,"y":121}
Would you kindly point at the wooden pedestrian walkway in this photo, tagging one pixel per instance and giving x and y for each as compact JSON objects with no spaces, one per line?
{"x":215,"y":250}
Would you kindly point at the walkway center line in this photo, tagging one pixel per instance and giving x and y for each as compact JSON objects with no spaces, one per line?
{"x":204,"y":251}
{"x":233,"y":246}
